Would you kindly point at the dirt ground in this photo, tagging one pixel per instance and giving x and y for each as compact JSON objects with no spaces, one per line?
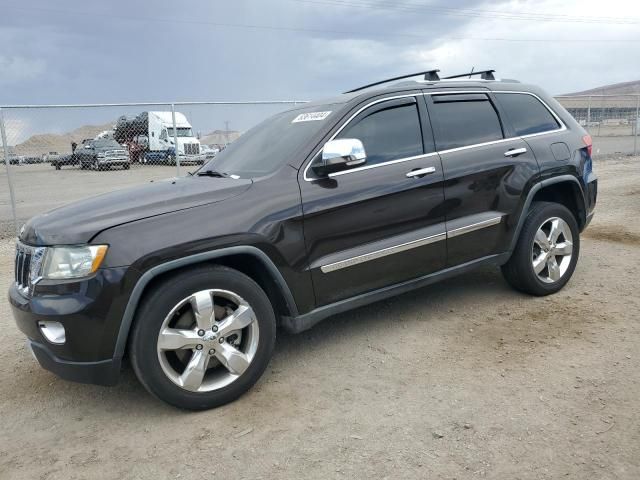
{"x":465,"y":379}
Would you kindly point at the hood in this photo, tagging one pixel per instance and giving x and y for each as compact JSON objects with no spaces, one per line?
{"x":80,"y":221}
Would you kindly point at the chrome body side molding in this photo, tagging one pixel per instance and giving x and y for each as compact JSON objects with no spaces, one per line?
{"x":455,"y":228}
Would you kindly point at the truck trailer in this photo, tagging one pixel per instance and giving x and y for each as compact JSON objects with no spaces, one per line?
{"x":150,"y":138}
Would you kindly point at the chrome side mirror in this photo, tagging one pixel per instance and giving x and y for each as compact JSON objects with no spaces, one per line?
{"x":340,"y":155}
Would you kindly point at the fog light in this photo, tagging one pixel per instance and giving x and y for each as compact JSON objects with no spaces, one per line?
{"x":53,"y":332}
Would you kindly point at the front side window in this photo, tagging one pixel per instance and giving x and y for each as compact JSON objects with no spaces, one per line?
{"x":526,"y":113}
{"x":387,"y":133}
{"x":463,"y":120}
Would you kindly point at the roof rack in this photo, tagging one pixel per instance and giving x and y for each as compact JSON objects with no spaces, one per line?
{"x":484,"y":75}
{"x":430,"y":75}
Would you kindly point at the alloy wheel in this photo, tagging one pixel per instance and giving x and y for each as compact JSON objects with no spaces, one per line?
{"x":552,"y":250}
{"x":208,"y":340}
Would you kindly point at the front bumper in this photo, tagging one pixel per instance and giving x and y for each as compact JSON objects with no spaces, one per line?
{"x":90,"y":311}
{"x":105,"y":372}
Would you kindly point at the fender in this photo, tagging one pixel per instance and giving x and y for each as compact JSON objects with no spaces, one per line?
{"x":534,"y":189}
{"x":136,"y":294}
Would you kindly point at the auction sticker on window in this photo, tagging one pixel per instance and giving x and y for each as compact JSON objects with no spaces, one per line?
{"x":310,"y":117}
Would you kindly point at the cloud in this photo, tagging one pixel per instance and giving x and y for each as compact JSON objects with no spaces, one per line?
{"x":18,"y":69}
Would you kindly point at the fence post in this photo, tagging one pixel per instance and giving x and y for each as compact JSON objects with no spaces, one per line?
{"x":635,"y":137}
{"x":589,"y":112}
{"x":7,"y":162}
{"x":175,"y":139}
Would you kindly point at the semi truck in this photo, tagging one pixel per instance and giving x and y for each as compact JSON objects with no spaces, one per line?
{"x":150,"y":138}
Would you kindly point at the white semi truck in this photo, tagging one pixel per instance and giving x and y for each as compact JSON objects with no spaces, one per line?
{"x":150,"y":138}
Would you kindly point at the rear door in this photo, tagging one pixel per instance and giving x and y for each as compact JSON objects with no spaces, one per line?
{"x":381,"y":223}
{"x":486,"y":169}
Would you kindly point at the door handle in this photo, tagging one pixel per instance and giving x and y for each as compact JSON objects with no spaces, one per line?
{"x":514,"y":152}
{"x":420,"y":172}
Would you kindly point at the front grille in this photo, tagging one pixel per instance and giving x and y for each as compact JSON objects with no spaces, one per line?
{"x":27,"y":266}
{"x":191,"y":149}
{"x":115,"y":153}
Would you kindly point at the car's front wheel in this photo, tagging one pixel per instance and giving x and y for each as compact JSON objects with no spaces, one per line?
{"x":203,"y":337}
{"x":547,"y":250}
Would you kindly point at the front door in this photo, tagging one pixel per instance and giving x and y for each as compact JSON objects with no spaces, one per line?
{"x":383,"y":222}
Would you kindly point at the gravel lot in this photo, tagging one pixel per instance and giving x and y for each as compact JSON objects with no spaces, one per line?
{"x":465,"y":379}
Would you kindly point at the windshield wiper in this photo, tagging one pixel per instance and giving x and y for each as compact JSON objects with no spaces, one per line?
{"x":212,"y":173}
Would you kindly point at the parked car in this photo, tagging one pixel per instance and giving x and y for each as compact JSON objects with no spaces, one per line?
{"x":315,"y":211}
{"x":208,"y":152}
{"x":58,"y":161}
{"x":101,"y":154}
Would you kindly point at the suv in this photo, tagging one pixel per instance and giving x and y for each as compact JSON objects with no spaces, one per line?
{"x":315,"y":211}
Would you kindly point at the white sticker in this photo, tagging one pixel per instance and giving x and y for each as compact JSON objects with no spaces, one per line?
{"x":310,"y":117}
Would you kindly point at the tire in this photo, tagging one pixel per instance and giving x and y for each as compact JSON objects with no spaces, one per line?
{"x":58,"y":167}
{"x":126,"y":166}
{"x":163,"y":372}
{"x":555,"y":259}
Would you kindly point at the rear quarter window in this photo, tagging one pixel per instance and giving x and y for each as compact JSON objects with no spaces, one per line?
{"x":526,"y":113}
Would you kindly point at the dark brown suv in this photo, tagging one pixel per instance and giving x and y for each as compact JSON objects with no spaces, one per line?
{"x":315,"y":211}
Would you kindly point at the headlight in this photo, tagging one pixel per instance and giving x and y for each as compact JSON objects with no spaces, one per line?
{"x":72,"y":262}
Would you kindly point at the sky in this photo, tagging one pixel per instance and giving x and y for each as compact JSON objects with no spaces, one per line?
{"x":72,"y":51}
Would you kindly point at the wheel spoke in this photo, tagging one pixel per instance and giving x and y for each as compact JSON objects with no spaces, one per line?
{"x":564,"y":248}
{"x":242,"y":317}
{"x":541,"y":239}
{"x":539,"y":263}
{"x":176,"y":339}
{"x":233,"y":359}
{"x":554,"y":269}
{"x":191,"y":378}
{"x":202,"y":305}
{"x":556,"y":230}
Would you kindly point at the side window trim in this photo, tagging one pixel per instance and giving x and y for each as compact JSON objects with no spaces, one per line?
{"x":426,"y":94}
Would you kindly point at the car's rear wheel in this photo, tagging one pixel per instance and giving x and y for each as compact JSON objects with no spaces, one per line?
{"x":547,"y":251}
{"x":203,"y":338}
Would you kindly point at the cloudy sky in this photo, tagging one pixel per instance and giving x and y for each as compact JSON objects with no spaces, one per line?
{"x":72,"y":51}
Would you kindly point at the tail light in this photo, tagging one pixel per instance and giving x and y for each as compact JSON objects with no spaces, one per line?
{"x":588,"y":142}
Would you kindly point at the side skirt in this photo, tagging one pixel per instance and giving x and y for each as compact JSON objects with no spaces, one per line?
{"x":304,"y":322}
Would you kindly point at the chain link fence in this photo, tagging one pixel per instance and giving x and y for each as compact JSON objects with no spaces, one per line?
{"x":613,"y":121}
{"x":56,"y":154}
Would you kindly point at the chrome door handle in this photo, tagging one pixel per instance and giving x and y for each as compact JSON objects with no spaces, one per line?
{"x":420,"y":172}
{"x":515,"y":152}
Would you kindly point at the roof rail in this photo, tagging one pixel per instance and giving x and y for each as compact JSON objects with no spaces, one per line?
{"x":430,"y":75}
{"x":484,"y":75}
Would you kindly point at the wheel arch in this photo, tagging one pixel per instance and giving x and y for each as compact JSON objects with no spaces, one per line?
{"x":249,"y":260}
{"x":565,"y":190}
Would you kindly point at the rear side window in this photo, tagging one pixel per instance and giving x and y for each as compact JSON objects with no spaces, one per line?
{"x":387,"y":133}
{"x":526,"y":113}
{"x":462,"y":120}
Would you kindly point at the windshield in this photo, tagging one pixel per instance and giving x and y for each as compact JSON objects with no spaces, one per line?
{"x":182,"y":132}
{"x":272,"y":143}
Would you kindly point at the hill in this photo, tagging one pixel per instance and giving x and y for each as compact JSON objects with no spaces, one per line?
{"x":36,"y":145}
{"x":623,"y":88}
{"x":220,"y":137}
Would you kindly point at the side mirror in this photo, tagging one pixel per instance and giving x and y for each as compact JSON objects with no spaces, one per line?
{"x":340,"y":155}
